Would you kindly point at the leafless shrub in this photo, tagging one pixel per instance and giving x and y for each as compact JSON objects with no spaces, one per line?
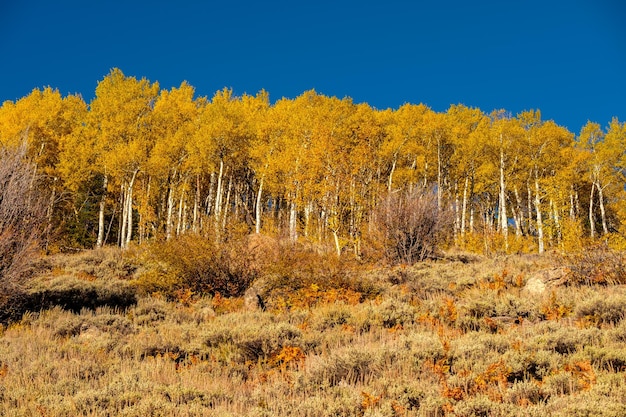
{"x":22,"y":220}
{"x":411,"y":225}
{"x":597,"y":265}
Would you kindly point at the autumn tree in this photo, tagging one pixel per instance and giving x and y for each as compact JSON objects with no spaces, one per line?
{"x":42,"y":122}
{"x":118,"y":130}
{"x":173,"y":121}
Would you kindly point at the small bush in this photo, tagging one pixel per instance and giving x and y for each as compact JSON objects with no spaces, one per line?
{"x":195,"y":263}
{"x":392,"y":314}
{"x":349,"y":366}
{"x":609,"y":359}
{"x":250,"y":341}
{"x":74,"y":325}
{"x":411,"y":226}
{"x":597,"y":265}
{"x":304,"y":277}
{"x":524,"y":393}
{"x":602,"y":310}
{"x":75,"y":294}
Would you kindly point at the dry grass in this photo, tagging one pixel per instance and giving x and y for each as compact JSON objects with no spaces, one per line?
{"x":445,"y":338}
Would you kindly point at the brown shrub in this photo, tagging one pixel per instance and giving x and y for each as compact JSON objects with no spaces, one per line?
{"x":196,"y":263}
{"x":22,"y":221}
{"x":597,"y":265}
{"x":411,"y":226}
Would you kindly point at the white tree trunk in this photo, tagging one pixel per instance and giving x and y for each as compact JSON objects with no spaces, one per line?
{"x":293,"y":221}
{"x":605,"y":229}
{"x":129,"y":212}
{"x":258,"y":208}
{"x":390,"y":180}
{"x":218,"y":193}
{"x":170,"y":210}
{"x":592,"y":224}
{"x":464,"y":209}
{"x":539,"y":218}
{"x":179,"y":222}
{"x":503,"y":219}
{"x":196,"y":206}
{"x":100,"y":240}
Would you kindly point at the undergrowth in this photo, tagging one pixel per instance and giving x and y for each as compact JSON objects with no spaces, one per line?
{"x":457,"y":336}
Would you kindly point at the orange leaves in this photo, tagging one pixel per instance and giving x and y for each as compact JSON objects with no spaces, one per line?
{"x":448,"y":311}
{"x":289,"y":357}
{"x":583,"y":372}
{"x":369,"y":400}
{"x":312,"y":295}
{"x":553,"y":309}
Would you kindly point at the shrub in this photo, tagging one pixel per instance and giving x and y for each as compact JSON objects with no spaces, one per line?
{"x":195,"y":263}
{"x":411,"y":226}
{"x":22,"y":222}
{"x":524,"y":393}
{"x":75,"y":294}
{"x":609,"y":359}
{"x":350,"y":366}
{"x":597,"y":265}
{"x":392,"y":313}
{"x":250,"y":338}
{"x":302,"y":276}
{"x":602,"y":310}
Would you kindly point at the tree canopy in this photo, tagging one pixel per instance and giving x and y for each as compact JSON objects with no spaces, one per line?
{"x":140,"y":163}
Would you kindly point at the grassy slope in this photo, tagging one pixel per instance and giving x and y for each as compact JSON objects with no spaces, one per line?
{"x":438,"y":338}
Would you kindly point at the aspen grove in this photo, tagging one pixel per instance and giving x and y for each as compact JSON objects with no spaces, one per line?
{"x":140,"y":163}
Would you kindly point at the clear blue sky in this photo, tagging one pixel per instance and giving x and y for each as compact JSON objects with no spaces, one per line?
{"x":566,"y":58}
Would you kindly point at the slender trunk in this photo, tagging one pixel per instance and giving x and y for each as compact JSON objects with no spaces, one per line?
{"x":209,"y":197}
{"x":390,"y":180}
{"x":539,"y":218}
{"x":605,"y":229}
{"x":519,"y":220}
{"x":439,"y":175}
{"x":227,"y":206}
{"x":129,"y":217}
{"x":196,"y":205}
{"x":503,"y":218}
{"x":293,"y":233}
{"x":572,"y":213}
{"x":592,"y":224}
{"x":337,"y":244}
{"x":258,"y":207}
{"x":121,"y":239}
{"x":100,"y":240}
{"x":179,"y":220}
{"x":185,"y":216}
{"x":170,"y":210}
{"x":457,"y":211}
{"x":464,"y":209}
{"x":530,"y":200}
{"x":308,"y":207}
{"x":218,"y":193}
{"x":557,"y":221}
{"x":129,"y":214}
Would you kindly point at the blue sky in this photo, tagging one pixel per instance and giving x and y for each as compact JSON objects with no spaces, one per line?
{"x":566,"y":58}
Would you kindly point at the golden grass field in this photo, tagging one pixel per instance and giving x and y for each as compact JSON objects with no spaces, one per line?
{"x":460,"y":336}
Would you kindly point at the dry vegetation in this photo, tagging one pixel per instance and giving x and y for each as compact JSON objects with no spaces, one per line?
{"x":460,"y":336}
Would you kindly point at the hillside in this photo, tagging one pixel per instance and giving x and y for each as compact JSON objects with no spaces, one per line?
{"x":459,"y":336}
